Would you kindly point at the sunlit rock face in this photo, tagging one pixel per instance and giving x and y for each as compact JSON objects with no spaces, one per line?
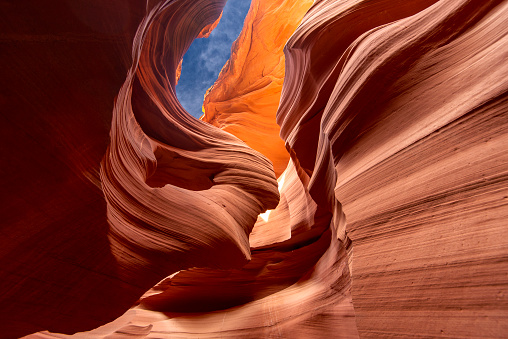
{"x":388,"y":219}
{"x":245,"y":97}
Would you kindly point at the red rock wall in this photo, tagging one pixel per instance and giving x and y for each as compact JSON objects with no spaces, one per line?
{"x":62,"y":65}
{"x":71,"y":259}
{"x":409,"y":124}
{"x":391,"y":212}
{"x":180,"y":192}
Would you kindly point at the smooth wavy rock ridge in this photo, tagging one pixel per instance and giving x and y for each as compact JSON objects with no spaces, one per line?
{"x":348,"y":177}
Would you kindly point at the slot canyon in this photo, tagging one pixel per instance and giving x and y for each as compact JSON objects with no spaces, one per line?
{"x":348,"y":177}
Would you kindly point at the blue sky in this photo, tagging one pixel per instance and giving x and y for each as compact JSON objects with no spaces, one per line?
{"x":205,"y":57}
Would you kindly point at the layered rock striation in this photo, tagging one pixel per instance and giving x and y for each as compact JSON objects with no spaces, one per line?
{"x":379,"y":211}
{"x":180,"y":192}
{"x":405,"y":152}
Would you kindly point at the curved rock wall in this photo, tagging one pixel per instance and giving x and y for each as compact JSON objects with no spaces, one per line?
{"x":388,"y":220}
{"x":410,"y":131}
{"x":180,"y":192}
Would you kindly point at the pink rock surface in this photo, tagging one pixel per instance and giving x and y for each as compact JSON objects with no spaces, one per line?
{"x":389,"y":220}
{"x":180,"y":193}
{"x":410,"y":130}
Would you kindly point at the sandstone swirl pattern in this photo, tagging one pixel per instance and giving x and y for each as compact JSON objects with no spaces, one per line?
{"x":388,"y":207}
{"x":180,"y":192}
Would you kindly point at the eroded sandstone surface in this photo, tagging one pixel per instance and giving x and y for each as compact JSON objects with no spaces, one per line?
{"x":348,"y":177}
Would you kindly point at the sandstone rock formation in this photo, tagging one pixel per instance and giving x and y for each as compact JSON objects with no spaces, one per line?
{"x":410,"y":130}
{"x":245,"y":97}
{"x":388,"y":219}
{"x":63,"y":64}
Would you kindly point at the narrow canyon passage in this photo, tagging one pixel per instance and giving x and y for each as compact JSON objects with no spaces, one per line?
{"x":206,"y":56}
{"x":347,"y":177}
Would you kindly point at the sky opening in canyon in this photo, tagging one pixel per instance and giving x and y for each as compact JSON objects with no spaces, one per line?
{"x":205,"y":58}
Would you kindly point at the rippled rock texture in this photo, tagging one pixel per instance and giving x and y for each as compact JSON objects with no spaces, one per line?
{"x":380,"y":211}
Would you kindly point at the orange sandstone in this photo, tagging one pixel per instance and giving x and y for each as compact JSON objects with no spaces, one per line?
{"x":245,"y":97}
